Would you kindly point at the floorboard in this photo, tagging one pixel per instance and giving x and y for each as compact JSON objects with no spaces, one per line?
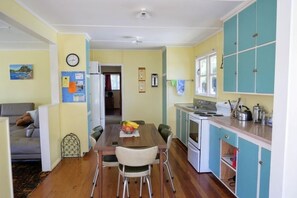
{"x":73,"y":178}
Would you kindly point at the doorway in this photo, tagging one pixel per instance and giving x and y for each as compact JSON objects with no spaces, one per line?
{"x":113,"y":93}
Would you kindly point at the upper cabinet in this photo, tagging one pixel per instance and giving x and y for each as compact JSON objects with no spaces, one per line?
{"x":230,"y":38}
{"x":247,"y":32}
{"x":249,"y":49}
{"x":266,"y":21}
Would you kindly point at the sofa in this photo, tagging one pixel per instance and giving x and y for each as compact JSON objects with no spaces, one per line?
{"x":24,"y":130}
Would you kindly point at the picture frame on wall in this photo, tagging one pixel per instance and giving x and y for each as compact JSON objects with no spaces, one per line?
{"x":21,"y":71}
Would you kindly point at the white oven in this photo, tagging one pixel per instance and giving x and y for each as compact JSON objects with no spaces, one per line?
{"x":198,"y":142}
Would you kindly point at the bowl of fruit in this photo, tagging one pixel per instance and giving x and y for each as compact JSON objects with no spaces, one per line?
{"x":129,"y":127}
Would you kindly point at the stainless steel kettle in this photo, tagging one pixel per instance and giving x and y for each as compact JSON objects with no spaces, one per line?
{"x":257,"y":113}
{"x":244,"y":114}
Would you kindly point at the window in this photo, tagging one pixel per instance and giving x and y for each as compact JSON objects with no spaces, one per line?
{"x":206,"y":75}
{"x":115,"y":81}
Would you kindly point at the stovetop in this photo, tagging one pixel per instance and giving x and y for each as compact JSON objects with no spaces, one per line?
{"x":205,"y":114}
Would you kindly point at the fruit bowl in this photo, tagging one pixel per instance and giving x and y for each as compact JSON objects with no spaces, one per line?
{"x":129,"y":127}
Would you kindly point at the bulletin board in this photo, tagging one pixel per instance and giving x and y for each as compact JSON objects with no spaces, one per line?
{"x":73,"y":86}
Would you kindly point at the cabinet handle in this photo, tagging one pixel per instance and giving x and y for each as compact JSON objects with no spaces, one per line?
{"x":255,"y":70}
{"x":261,"y":162}
{"x":235,"y":43}
{"x":255,"y":35}
{"x":226,"y":136}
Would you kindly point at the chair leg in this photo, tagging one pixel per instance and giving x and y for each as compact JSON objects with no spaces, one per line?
{"x":170,"y":177}
{"x":95,"y":180}
{"x":140,"y":183}
{"x":124,"y":188}
{"x":118,"y":188}
{"x":149,"y":186}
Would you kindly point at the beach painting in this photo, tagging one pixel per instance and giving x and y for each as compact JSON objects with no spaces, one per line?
{"x":21,"y":71}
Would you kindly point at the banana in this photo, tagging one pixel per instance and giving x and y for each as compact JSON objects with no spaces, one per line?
{"x":131,"y":124}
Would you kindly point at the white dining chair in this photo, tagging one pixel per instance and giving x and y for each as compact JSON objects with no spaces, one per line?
{"x":138,"y":164}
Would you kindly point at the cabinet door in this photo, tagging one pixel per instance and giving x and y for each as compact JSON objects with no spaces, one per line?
{"x":246,"y":74}
{"x":178,"y":126}
{"x":265,"y":69}
{"x":184,"y":130}
{"x":230,"y":73}
{"x":265,"y":173}
{"x":214,"y":150}
{"x":247,"y":169}
{"x":266,"y":21}
{"x":230,"y":36}
{"x":247,"y":28}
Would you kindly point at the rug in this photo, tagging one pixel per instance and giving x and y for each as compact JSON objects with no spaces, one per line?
{"x":26,"y":176}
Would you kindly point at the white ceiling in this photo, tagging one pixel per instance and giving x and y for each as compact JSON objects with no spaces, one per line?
{"x":112,"y":24}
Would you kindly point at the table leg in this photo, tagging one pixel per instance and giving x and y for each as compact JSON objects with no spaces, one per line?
{"x":100,"y":175}
{"x":161,"y":173}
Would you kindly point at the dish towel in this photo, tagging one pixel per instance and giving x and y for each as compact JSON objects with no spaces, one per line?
{"x":180,"y":87}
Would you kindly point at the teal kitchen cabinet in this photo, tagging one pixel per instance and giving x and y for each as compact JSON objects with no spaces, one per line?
{"x":266,"y":21}
{"x":247,"y":169}
{"x":178,"y":124}
{"x":214,"y":150}
{"x":264,"y":173}
{"x":256,"y":70}
{"x":230,"y":73}
{"x":182,"y":123}
{"x":247,"y":28}
{"x":230,"y":36}
{"x":184,"y":127}
{"x":265,"y":69}
{"x":246,"y":71}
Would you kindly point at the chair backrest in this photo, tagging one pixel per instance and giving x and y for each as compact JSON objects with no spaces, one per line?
{"x":136,"y":157}
{"x":167,"y":136}
{"x":140,"y":122}
{"x":94,"y":137}
{"x":163,"y":126}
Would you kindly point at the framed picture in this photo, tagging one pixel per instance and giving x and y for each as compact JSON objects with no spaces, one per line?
{"x":141,"y":73}
{"x":21,"y":71}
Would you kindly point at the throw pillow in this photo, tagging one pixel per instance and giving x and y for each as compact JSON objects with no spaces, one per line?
{"x":24,"y":120}
{"x":32,"y":114}
{"x":36,"y":120}
{"x":30,"y":130}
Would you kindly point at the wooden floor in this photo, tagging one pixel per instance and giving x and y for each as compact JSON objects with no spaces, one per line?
{"x":73,"y":178}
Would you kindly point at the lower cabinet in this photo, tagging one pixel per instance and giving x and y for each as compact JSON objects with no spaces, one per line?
{"x":182,"y":120}
{"x":214,"y":150}
{"x":242,"y":166}
{"x":247,"y":169}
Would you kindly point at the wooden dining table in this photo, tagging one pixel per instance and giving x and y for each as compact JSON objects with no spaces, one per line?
{"x":110,"y":138}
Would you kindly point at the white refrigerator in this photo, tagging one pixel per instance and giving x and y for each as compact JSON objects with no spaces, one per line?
{"x":97,"y":83}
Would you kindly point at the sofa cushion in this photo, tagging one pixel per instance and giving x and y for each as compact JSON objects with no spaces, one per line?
{"x":15,"y":109}
{"x":19,"y":144}
{"x":25,"y":119}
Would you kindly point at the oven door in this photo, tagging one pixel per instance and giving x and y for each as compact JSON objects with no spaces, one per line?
{"x":195,"y":131}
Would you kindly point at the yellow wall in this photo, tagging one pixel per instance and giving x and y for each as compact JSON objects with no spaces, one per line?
{"x":36,"y":90}
{"x":73,"y":115}
{"x":215,"y":43}
{"x":6,"y":187}
{"x":179,"y":67}
{"x":148,"y":105}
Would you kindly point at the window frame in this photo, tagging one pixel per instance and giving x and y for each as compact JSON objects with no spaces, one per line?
{"x":208,"y":75}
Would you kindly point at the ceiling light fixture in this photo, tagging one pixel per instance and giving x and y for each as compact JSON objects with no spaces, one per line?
{"x":143,"y":14}
{"x":137,"y":40}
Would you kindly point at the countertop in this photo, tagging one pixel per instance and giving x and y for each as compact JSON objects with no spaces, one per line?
{"x":257,"y":131}
{"x":189,"y":107}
